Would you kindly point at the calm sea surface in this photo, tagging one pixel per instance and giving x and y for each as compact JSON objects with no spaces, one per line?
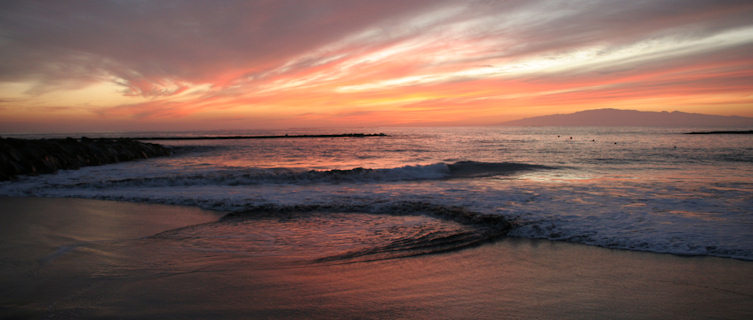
{"x":644,"y":189}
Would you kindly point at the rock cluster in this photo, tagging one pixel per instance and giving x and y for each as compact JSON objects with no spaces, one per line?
{"x":37,"y":156}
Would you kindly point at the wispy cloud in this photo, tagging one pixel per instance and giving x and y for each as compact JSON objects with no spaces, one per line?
{"x":373,"y":62}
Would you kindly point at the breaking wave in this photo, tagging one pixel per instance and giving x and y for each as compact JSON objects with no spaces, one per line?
{"x":260,"y":176}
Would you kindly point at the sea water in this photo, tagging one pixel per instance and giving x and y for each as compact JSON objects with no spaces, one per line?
{"x":643,"y":189}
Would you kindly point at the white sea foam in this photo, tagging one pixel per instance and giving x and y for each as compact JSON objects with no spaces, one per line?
{"x":91,"y":178}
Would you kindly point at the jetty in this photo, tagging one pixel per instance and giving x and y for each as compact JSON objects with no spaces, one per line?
{"x":286,"y":136}
{"x":38,"y":156}
{"x":722,"y":132}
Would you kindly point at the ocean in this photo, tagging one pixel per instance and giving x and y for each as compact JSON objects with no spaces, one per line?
{"x":427,"y":190}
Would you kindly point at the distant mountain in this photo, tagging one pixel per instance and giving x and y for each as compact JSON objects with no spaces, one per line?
{"x":633,"y":118}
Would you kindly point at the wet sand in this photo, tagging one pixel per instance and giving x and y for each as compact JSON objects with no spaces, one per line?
{"x":74,"y":258}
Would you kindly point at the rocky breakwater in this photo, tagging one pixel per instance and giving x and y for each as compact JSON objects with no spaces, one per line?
{"x":37,"y":156}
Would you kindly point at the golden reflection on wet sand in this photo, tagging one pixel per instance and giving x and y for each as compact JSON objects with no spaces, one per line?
{"x":131,"y":276}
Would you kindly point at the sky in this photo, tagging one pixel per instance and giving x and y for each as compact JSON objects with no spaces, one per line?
{"x":206,"y":65}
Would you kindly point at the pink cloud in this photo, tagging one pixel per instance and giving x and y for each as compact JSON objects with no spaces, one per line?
{"x":331,"y":61}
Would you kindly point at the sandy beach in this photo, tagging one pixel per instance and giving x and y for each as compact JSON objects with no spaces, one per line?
{"x":74,"y":258}
{"x":392,"y":159}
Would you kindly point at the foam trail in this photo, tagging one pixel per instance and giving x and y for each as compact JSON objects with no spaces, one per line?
{"x":461,"y":229}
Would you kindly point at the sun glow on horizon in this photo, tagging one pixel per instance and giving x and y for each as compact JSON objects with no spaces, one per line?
{"x":451,"y":64}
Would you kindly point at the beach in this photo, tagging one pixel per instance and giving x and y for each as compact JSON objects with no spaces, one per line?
{"x":376,"y":159}
{"x":78,"y":258}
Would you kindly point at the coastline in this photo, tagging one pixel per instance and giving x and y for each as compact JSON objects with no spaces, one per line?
{"x":81,"y":258}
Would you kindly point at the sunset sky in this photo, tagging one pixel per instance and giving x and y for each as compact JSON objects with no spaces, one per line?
{"x":185,"y":65}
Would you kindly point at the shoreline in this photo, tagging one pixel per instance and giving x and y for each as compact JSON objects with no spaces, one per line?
{"x":95,"y":258}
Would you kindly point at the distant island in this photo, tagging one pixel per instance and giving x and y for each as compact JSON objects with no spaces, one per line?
{"x":633,"y":118}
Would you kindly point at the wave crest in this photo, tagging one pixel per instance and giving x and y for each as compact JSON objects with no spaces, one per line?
{"x":260,"y":176}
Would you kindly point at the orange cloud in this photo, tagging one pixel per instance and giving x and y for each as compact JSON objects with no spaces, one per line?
{"x":326,"y":63}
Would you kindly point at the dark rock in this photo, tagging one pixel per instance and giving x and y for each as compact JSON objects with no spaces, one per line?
{"x":286,"y":136}
{"x":722,"y":132}
{"x":38,"y":156}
